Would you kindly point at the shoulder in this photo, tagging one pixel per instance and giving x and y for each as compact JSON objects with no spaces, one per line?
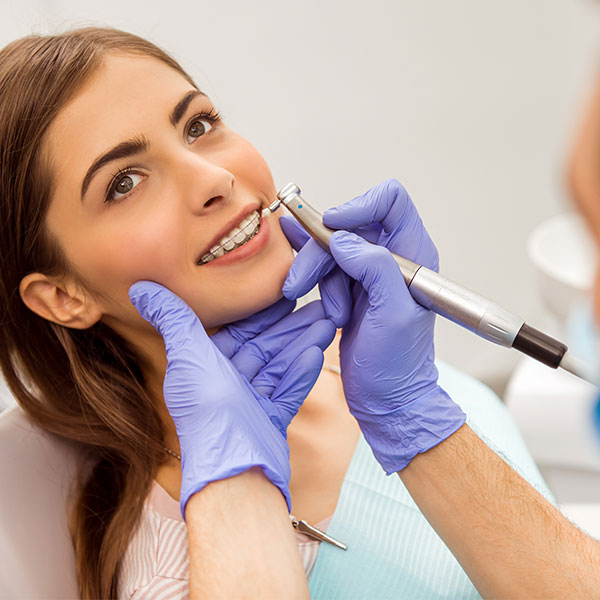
{"x":158,"y":549}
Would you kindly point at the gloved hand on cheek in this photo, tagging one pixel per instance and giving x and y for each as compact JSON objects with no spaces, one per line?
{"x":231,"y":408}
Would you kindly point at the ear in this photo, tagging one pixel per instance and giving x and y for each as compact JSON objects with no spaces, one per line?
{"x":58,"y":302}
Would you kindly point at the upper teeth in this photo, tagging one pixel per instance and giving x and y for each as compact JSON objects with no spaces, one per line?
{"x":236,"y":237}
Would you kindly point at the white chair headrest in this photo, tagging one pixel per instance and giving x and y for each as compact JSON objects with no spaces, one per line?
{"x":37,"y":471}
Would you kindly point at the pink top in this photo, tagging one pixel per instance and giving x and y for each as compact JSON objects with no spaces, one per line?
{"x":156,"y":563}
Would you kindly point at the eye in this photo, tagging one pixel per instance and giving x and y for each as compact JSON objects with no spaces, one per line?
{"x":197,"y":128}
{"x":122,"y":184}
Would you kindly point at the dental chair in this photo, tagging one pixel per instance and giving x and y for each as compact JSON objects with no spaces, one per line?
{"x":37,"y":470}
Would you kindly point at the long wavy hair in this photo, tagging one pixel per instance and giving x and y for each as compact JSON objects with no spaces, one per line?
{"x":83,"y":385}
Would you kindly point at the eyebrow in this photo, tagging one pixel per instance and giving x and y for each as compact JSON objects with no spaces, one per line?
{"x":136,"y":145}
{"x":182,"y":106}
{"x":131,"y":147}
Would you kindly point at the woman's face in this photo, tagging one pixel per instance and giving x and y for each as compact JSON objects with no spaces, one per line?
{"x":177,"y":180}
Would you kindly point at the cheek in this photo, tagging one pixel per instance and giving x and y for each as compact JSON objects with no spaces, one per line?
{"x":143,"y":250}
{"x":114,"y":257}
{"x":248,"y":166}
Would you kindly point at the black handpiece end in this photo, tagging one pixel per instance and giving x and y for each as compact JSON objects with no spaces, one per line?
{"x":540,"y":346}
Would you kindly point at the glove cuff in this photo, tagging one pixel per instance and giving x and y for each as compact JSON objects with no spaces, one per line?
{"x":243,"y":445}
{"x":419,"y":425}
{"x":191,"y":485}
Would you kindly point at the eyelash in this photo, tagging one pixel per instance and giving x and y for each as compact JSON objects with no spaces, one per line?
{"x":213,"y":116}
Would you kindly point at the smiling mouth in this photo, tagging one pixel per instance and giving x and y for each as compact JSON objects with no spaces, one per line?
{"x":237,"y":237}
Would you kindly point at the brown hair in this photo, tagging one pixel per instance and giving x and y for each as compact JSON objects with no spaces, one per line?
{"x":84,"y":385}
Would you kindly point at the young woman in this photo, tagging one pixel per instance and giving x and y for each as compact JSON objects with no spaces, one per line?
{"x":115,"y":168}
{"x":116,"y":172}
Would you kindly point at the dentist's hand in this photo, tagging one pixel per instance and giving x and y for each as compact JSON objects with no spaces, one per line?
{"x":386,"y":350}
{"x":232,"y":399}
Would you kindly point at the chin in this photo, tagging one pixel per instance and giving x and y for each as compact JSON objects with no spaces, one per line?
{"x":270,"y":292}
{"x":246,"y":297}
{"x":238,"y":313}
{"x":260,"y":305}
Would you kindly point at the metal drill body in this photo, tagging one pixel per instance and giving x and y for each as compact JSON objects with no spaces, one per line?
{"x":447,"y":298}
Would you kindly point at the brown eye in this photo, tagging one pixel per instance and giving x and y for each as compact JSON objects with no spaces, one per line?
{"x":197,"y":128}
{"x":124,"y":185}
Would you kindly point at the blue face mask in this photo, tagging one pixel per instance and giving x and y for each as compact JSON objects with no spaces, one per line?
{"x":583,"y":339}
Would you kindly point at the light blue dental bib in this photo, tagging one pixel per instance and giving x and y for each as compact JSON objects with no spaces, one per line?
{"x":393,"y":552}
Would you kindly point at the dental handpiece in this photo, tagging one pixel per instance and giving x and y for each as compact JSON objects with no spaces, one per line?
{"x":449,"y":299}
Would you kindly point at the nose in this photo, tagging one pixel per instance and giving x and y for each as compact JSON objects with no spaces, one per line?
{"x":204,"y":182}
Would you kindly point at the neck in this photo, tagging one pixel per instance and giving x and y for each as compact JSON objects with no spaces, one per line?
{"x":155,"y":389}
{"x":150,"y":347}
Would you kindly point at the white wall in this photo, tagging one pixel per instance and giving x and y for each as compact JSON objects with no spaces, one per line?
{"x":469,"y":103}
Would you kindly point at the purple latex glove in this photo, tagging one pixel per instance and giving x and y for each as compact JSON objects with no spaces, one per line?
{"x":334,"y":284}
{"x":232,"y":407}
{"x":386,"y":350}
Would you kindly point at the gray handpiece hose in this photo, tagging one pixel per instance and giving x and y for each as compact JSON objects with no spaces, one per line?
{"x":449,"y":299}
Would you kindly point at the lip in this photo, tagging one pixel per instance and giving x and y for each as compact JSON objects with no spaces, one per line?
{"x":247,"y":210}
{"x":255,"y":245}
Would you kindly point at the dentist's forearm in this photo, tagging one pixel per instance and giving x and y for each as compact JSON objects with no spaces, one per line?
{"x":241,"y":542}
{"x":509,"y":539}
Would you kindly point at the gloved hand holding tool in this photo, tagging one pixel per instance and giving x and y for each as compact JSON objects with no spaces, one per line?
{"x":386,"y":350}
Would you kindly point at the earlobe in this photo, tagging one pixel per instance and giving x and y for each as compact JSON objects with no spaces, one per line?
{"x":54,"y":302}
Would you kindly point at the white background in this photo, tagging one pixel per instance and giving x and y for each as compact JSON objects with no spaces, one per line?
{"x":471,"y":104}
